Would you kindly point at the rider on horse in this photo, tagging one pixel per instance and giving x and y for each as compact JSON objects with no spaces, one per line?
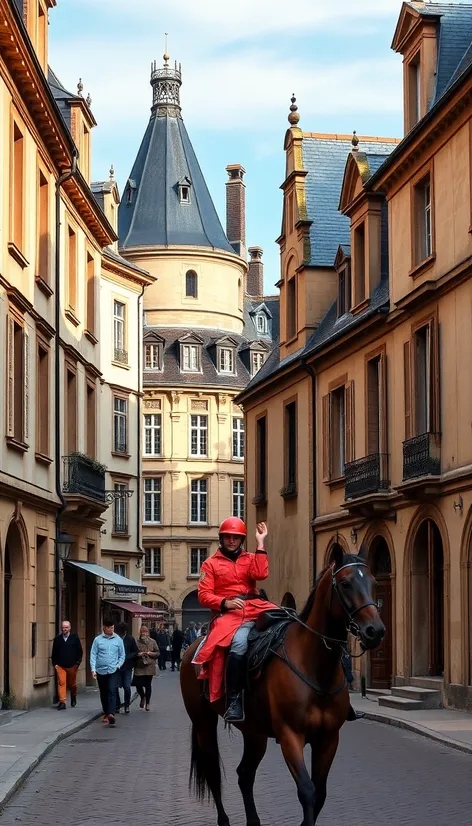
{"x":228,"y":587}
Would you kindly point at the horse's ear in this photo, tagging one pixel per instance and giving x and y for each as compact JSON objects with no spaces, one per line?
{"x":337,"y":556}
{"x":363,"y":553}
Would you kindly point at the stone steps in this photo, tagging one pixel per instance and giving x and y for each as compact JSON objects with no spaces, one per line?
{"x":430,"y":698}
{"x":400,"y":703}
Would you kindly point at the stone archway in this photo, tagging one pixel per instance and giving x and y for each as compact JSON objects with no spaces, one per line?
{"x":427,"y":615}
{"x":288,"y":601}
{"x":15,"y":613}
{"x":192,"y":611}
{"x":381,"y":660}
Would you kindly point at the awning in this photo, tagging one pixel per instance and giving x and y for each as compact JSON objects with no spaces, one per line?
{"x":122,"y":584}
{"x":138,"y":611}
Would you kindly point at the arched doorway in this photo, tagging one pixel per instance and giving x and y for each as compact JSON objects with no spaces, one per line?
{"x":381,"y":567}
{"x":288,"y":601}
{"x":427,"y":602}
{"x":192,"y":611}
{"x":15,"y":614}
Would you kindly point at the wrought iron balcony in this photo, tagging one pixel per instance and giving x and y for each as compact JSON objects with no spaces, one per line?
{"x":366,"y":475}
{"x":120,"y":524}
{"x":421,"y":456}
{"x":121,"y":356}
{"x":84,"y":476}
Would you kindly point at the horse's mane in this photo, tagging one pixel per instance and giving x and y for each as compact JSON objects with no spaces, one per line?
{"x":306,"y":610}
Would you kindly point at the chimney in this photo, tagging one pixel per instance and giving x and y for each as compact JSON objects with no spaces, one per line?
{"x":236,"y":208}
{"x":255,"y":273}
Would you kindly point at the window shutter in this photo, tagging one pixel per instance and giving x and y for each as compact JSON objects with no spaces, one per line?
{"x":407,"y":388}
{"x":349,"y":420}
{"x":435,"y":417}
{"x":10,"y":376}
{"x":325,"y":436}
{"x":26,"y":380}
{"x":383,"y":403}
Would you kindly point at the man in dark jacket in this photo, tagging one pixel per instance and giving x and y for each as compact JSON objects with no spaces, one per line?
{"x":177,"y":643}
{"x":66,"y":658}
{"x":126,"y":670}
{"x":163,"y":641}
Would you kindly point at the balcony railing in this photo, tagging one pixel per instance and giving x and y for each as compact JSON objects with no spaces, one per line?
{"x":121,"y":356}
{"x":421,"y":456}
{"x":366,"y":475}
{"x":83,"y":475}
{"x":120,"y":524}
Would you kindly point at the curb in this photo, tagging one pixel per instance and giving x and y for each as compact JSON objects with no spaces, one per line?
{"x":416,"y":728}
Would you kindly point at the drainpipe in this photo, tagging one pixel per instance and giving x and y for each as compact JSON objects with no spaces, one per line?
{"x":57,"y":394}
{"x":312,"y":374}
{"x":139,"y":448}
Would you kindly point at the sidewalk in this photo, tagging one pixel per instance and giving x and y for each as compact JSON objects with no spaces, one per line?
{"x":453,"y":728}
{"x":30,"y":735}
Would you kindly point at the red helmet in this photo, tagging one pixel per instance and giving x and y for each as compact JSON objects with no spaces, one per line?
{"x":233,"y":525}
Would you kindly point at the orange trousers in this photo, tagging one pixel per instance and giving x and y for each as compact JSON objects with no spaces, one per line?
{"x":66,"y":679}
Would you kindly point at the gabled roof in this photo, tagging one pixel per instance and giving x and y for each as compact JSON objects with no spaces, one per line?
{"x":359,"y":165}
{"x":324,"y":158}
{"x":190,"y":338}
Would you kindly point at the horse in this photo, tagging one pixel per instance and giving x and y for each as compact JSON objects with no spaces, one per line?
{"x":301,"y":697}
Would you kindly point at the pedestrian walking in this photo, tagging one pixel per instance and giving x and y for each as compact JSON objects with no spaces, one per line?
{"x":66,"y":657}
{"x":126,"y":670}
{"x":346,"y":662}
{"x":190,"y":634}
{"x":198,"y":629}
{"x":177,"y":643}
{"x":145,"y":668}
{"x":107,"y":655}
{"x":163,"y":641}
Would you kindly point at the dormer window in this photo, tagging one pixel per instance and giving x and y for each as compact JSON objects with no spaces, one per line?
{"x":190,"y":358}
{"x":191,"y":284}
{"x":414,"y":90}
{"x":261,"y":323}
{"x":184,"y":190}
{"x":129,"y":192}
{"x":226,"y":360}
{"x":257,"y":360}
{"x":153,"y":356}
{"x":344,"y":290}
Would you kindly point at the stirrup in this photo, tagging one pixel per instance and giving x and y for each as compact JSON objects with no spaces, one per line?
{"x":235,"y":711}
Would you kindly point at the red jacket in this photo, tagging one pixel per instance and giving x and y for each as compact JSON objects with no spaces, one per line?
{"x":222,"y":578}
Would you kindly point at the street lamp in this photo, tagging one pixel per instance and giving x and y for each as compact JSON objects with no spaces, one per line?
{"x":63,"y":545}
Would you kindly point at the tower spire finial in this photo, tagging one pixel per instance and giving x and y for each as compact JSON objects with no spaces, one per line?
{"x":166,"y":54}
{"x":355,"y":141}
{"x":293,"y":117}
{"x":166,"y":83}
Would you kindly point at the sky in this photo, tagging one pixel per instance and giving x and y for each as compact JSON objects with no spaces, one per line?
{"x":241,"y":62}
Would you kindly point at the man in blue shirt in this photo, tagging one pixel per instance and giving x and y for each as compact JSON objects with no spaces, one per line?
{"x":107,"y":655}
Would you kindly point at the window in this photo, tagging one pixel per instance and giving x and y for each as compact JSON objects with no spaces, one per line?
{"x":120,"y":568}
{"x":120,"y":508}
{"x":90,"y":320}
{"x":261,"y":460}
{"x":190,"y":358}
{"x":291,"y":307}
{"x":290,"y":487}
{"x":184,"y":195}
{"x":261,"y":323}
{"x":198,"y":501}
{"x":257,"y":360}
{"x":152,"y":357}
{"x":238,"y":499}
{"x":17,"y":187}
{"x":42,"y":268}
{"x":152,"y":434}
{"x":359,"y":264}
{"x":226,"y":360}
{"x":70,"y":436}
{"x":152,"y":500}
{"x":152,"y":562}
{"x":344,"y":290}
{"x":338,"y":430}
{"x":91,"y":417}
{"x":42,"y":408}
{"x":119,"y":336}
{"x":197,"y":557}
{"x":120,"y":415}
{"x":238,"y":438}
{"x":71,"y":268}
{"x":414,"y":91}
{"x":422,"y":220}
{"x":198,"y":435}
{"x":17,"y":390}
{"x":422,"y":399}
{"x":191,"y":284}
{"x":376,"y":420}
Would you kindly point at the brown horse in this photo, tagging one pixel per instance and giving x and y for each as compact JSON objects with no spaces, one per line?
{"x":301,"y":698}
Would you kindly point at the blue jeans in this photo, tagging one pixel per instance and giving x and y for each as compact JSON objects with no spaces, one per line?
{"x":107,"y":684}
{"x":124,"y":682}
{"x":239,"y":644}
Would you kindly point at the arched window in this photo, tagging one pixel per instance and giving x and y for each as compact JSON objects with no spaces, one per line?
{"x":191,"y":284}
{"x":261,"y":323}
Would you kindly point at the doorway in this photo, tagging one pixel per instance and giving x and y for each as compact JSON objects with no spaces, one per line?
{"x":192,"y":611}
{"x":381,"y":658}
{"x":15,"y":616}
{"x":427,"y":602}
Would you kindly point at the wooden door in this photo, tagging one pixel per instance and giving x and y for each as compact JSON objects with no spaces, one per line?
{"x":381,"y":657}
{"x":435,"y":601}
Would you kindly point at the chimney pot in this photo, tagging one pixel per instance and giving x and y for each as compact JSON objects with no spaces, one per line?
{"x":255,"y":273}
{"x":236,"y":208}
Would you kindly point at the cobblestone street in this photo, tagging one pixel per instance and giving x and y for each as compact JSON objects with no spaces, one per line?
{"x":137,"y":773}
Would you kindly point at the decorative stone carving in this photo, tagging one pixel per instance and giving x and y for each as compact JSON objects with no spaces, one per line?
{"x":175,"y":399}
{"x":198,"y":404}
{"x":152,"y":404}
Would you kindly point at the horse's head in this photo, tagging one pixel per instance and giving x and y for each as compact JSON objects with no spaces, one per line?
{"x":353,"y":601}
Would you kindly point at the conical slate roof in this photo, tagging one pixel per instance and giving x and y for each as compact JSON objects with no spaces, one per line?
{"x":166,"y":200}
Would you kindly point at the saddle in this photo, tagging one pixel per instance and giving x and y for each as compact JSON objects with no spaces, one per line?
{"x":267,"y":635}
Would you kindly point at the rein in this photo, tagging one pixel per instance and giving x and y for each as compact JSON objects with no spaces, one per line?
{"x":352,"y":627}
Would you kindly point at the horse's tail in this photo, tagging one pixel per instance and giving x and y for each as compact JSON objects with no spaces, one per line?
{"x":205,"y":771}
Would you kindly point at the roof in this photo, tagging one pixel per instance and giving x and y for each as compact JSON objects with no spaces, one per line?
{"x":62,"y":97}
{"x":455,"y":35}
{"x":109,"y":252}
{"x":151,"y":212}
{"x":270,"y":304}
{"x":324,"y":158}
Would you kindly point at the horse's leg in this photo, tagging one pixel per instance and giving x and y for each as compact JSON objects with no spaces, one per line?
{"x":292,"y":750}
{"x":255,"y":746}
{"x":206,"y":761}
{"x":322,"y":756}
